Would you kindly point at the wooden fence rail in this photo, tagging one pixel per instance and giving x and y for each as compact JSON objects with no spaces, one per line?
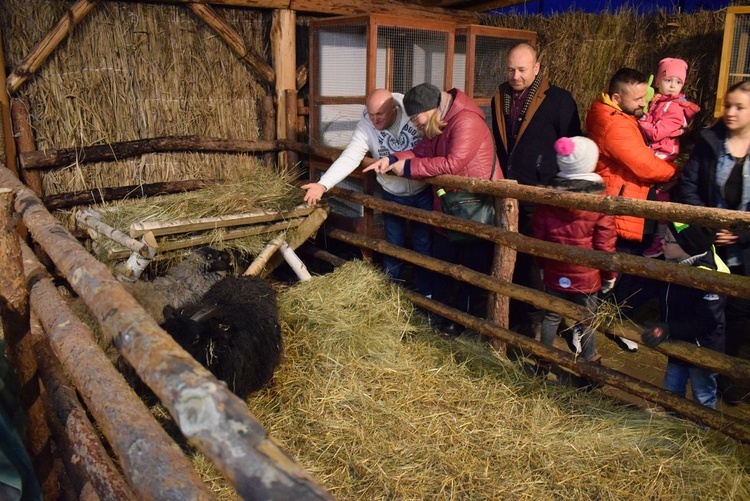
{"x":731,"y":426}
{"x":211,"y":417}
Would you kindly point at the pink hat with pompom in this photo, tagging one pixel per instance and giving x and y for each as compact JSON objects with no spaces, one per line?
{"x":576,"y":158}
{"x":671,"y":67}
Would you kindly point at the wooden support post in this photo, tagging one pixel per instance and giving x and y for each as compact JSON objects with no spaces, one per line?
{"x":298,"y":236}
{"x":268,"y":127}
{"x":291,"y":125}
{"x":25,"y":142}
{"x":14,"y":314}
{"x":8,"y":154}
{"x":256,"y":267}
{"x":301,"y":76}
{"x":284,"y":47}
{"x":39,"y":54}
{"x":498,"y":308}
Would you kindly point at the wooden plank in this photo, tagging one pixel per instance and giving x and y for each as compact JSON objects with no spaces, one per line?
{"x":41,"y":51}
{"x":114,"y":255}
{"x":212,"y":223}
{"x":298,"y":236}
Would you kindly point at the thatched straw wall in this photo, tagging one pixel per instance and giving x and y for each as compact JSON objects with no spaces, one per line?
{"x":137,"y":71}
{"x":580,"y":52}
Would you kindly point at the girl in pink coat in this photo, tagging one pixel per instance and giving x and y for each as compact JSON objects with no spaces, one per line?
{"x":669,"y":115}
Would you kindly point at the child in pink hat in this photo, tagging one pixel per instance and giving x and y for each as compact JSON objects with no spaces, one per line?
{"x":668,"y":117}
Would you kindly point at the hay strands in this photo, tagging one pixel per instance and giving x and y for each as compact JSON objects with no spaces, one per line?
{"x":160,"y":228}
{"x":93,"y":221}
{"x":211,"y":237}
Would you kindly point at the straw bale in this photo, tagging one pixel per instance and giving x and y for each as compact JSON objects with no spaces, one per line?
{"x":132,"y":71}
{"x":431,"y":419}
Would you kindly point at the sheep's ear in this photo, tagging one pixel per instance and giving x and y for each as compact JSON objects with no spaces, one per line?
{"x":205,"y":313}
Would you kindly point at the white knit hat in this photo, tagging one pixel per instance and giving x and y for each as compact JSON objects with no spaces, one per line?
{"x":576,"y":158}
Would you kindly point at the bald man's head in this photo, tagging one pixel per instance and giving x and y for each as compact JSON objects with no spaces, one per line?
{"x":381,"y":108}
{"x":521,"y":66}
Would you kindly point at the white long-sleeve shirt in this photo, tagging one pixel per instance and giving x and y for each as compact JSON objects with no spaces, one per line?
{"x":379,"y":143}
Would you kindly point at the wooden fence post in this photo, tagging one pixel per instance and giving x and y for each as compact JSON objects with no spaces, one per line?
{"x":498,"y":307}
{"x":14,"y":314}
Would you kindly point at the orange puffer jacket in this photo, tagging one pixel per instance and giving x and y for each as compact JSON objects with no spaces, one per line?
{"x":626,"y":163}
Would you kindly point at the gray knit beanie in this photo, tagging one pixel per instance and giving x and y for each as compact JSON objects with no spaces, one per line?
{"x":421,"y":98}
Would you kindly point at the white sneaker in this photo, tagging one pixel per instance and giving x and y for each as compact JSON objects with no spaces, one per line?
{"x":575,"y":339}
{"x":627,"y":344}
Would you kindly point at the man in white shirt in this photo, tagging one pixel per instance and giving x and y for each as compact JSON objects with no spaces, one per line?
{"x":385,"y":128}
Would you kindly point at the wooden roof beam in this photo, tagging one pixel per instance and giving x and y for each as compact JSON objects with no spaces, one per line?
{"x":471,"y":5}
{"x":41,"y":51}
{"x":234,"y":40}
{"x":341,"y":8}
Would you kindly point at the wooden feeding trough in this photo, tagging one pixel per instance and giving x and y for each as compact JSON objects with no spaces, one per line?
{"x":141,"y":242}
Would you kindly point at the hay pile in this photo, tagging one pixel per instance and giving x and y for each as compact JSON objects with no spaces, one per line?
{"x":376,"y":406}
{"x":260,"y":190}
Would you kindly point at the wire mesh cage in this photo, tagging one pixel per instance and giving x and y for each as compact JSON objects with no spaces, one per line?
{"x":479,"y":60}
{"x":735,"y":53}
{"x":350,"y":57}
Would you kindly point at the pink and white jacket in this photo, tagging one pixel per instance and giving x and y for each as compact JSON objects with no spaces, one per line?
{"x":667,"y":118}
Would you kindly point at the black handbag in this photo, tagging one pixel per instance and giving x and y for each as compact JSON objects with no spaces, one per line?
{"x":473,"y":206}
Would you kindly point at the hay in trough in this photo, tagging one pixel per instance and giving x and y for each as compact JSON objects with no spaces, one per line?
{"x":376,"y":406}
{"x":260,"y":190}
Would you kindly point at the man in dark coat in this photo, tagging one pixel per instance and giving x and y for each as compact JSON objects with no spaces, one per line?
{"x":528,"y":116}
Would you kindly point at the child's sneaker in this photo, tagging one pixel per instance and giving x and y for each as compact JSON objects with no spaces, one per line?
{"x":575,"y":339}
{"x":655,"y":249}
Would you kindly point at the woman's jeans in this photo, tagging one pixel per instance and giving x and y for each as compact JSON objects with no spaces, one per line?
{"x":703,"y":382}
{"x":552,"y":321}
{"x":395,"y":233}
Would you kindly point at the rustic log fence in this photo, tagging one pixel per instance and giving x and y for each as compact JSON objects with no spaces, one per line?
{"x":209,"y":416}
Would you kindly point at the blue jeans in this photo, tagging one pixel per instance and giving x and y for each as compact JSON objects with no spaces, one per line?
{"x":552,"y":321}
{"x":421,"y":240}
{"x":703,"y":382}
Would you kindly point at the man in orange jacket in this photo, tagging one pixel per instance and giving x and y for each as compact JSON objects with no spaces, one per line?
{"x":626,"y":163}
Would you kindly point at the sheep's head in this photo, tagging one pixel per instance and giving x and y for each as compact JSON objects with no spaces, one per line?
{"x":215,"y":260}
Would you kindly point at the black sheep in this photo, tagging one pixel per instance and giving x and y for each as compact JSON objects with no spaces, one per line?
{"x":233,"y":331}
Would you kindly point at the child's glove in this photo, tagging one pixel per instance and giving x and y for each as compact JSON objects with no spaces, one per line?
{"x":608,"y":285}
{"x":655,"y":335}
{"x":649,"y":93}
